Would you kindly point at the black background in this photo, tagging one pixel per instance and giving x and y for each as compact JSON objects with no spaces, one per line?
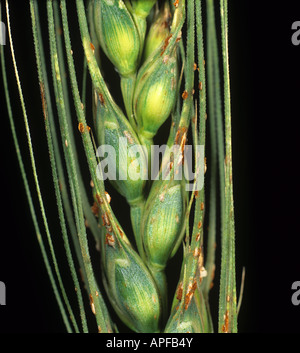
{"x":265,"y":83}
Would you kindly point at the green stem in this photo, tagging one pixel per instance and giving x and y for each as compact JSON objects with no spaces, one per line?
{"x":29,"y":195}
{"x":68,"y":150}
{"x":90,"y":15}
{"x":98,"y":306}
{"x":92,"y":222}
{"x":49,"y":121}
{"x":127,"y":88}
{"x":216,"y":140}
{"x":136,"y":212}
{"x":227,"y":305}
{"x":160,"y":278}
{"x":70,"y":213}
{"x":202,"y":140}
{"x":141,"y":24}
{"x":34,"y":169}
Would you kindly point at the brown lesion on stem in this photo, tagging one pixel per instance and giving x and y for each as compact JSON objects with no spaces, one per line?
{"x":120,"y":231}
{"x":81,"y":128}
{"x":225,"y":327}
{"x":166,"y":43}
{"x":92,"y":304}
{"x":185,"y":95}
{"x":110,"y":240}
{"x":101,"y":99}
{"x":181,"y":138}
{"x":179,"y":291}
{"x":99,"y":199}
{"x":92,"y":47}
{"x":178,"y":39}
{"x":106,"y":220}
{"x":197,"y":252}
{"x":95,"y":209}
{"x":189,"y":295}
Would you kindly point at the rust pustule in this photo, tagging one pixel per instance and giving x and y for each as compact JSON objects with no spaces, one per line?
{"x":106,"y":219}
{"x":196,"y":252}
{"x":95,"y":209}
{"x":180,"y":138}
{"x":103,"y":220}
{"x":176,"y":3}
{"x":101,"y":98}
{"x":99,"y":199}
{"x":92,"y":304}
{"x":225,"y":327}
{"x":179,"y":291}
{"x":108,"y":198}
{"x":191,"y":290}
{"x":185,"y":95}
{"x":81,"y":128}
{"x":109,"y":240}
